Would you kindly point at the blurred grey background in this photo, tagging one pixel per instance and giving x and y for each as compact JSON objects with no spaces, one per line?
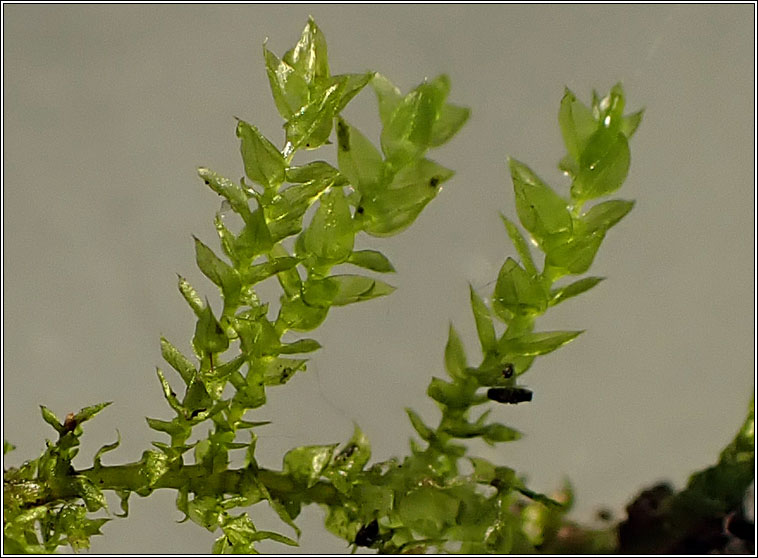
{"x":110,"y":108}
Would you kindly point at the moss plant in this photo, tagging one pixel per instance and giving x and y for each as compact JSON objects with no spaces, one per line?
{"x":423,"y":502}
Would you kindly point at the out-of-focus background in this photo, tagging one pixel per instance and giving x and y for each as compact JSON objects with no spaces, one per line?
{"x":109,"y":109}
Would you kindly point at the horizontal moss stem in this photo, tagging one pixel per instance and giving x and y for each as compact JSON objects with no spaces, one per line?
{"x":193,"y":478}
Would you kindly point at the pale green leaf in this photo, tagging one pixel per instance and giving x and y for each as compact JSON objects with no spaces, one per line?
{"x":191,"y":296}
{"x":270,"y":535}
{"x":177,"y":360}
{"x":610,"y":109}
{"x":106,"y":448}
{"x":284,"y":215}
{"x":452,"y":395}
{"x":349,"y":461}
{"x":560,"y":294}
{"x":209,"y":335}
{"x":603,"y":166}
{"x":358,"y":159}
{"x":257,"y":334}
{"x":497,"y":432}
{"x":309,"y":56}
{"x":541,"y":211}
{"x":221,"y":273}
{"x":264,"y":163}
{"x":604,"y":215}
{"x":154,"y":465}
{"x":289,"y":88}
{"x":517,"y":293}
{"x":330,"y":235}
{"x":294,"y":314}
{"x":311,"y":126}
{"x":259,"y":272}
{"x":49,"y":417}
{"x":211,"y":265}
{"x":520,"y":244}
{"x":531,"y":344}
{"x":224,"y":187}
{"x":306,"y":463}
{"x":371,"y":259}
{"x":319,"y":293}
{"x":354,"y":83}
{"x":427,"y":511}
{"x":423,"y":430}
{"x":408,"y":133}
{"x":630,"y":123}
{"x":388,"y":95}
{"x":451,"y":119}
{"x":88,"y":412}
{"x":255,"y":238}
{"x":169,"y":393}
{"x":280,"y":370}
{"x":483,"y":319}
{"x":299,"y":346}
{"x":576,"y":255}
{"x":197,"y":399}
{"x":577,"y":124}
{"x":289,"y":279}
{"x":172,"y":428}
{"x":455,"y":356}
{"x":316,"y":171}
{"x":397,"y":207}
{"x":484,"y":471}
{"x":357,"y":288}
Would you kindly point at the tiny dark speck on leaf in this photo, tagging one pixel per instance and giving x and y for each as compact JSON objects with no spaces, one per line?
{"x":343,"y":136}
{"x":434,"y":181}
{"x":206,"y":182}
{"x":359,"y":210}
{"x":350,"y":450}
{"x":497,"y":483}
{"x":605,"y":514}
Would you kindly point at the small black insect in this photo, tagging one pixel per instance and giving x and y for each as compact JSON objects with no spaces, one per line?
{"x":434,"y":181}
{"x":509,"y":395}
{"x":359,"y":210}
{"x":368,"y":534}
{"x":508,"y":371}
